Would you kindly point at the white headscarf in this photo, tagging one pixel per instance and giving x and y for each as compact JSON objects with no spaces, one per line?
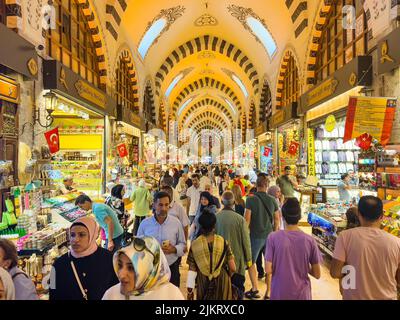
{"x":149,"y":274}
{"x":8,"y":284}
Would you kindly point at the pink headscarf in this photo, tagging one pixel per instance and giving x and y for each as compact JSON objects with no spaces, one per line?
{"x":94,"y":230}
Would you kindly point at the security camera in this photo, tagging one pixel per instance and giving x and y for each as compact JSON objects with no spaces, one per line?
{"x":40,"y":47}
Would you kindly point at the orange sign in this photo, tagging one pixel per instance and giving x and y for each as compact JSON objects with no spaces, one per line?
{"x":9,"y":90}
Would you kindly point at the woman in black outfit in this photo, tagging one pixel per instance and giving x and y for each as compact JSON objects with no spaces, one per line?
{"x":93,"y":265}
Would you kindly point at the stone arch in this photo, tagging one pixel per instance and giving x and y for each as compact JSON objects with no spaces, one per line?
{"x":209,"y":43}
{"x":202,"y":83}
{"x":288,"y":54}
{"x":265,"y":108}
{"x":126,"y":56}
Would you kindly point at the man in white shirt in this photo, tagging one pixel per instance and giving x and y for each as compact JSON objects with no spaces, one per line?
{"x":193,"y":194}
{"x":178,"y":211}
{"x":204,"y":180}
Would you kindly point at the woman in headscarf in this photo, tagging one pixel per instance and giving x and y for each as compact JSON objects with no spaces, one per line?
{"x":206,"y":202}
{"x":211,"y":263}
{"x":115,"y":200}
{"x":7,"y":291}
{"x":86,"y":272}
{"x":143,"y":273}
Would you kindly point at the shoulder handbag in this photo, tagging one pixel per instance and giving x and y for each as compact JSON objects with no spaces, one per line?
{"x":78,"y":280}
{"x":267,"y":209}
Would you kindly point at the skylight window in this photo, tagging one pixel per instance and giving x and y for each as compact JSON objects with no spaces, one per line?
{"x":240,"y":84}
{"x":151,"y":35}
{"x":262,"y":34}
{"x":184,"y":106}
{"x":231,"y":106}
{"x":173,"y":84}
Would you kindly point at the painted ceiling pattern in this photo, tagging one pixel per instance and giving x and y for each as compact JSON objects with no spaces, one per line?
{"x":208,"y":59}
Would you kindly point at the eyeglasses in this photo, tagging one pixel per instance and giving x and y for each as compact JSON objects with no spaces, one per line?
{"x":140,"y":245}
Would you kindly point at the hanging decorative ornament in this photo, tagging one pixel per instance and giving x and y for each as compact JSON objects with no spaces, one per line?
{"x":364,"y":141}
{"x":293,"y":148}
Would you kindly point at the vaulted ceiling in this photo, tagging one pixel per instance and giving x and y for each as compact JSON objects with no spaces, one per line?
{"x":210,"y":58}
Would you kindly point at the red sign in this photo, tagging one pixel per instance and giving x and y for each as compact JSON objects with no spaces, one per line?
{"x":53,"y":140}
{"x":293,"y":148}
{"x":122,"y":150}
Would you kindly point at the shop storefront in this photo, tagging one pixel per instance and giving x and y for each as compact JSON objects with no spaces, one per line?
{"x":127,"y":135}
{"x":81,"y":114}
{"x":264,"y":149}
{"x":18,"y":67}
{"x":286,"y":127}
{"x":325,"y":110}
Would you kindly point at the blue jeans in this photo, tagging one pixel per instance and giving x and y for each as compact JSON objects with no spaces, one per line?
{"x":117,"y":243}
{"x":256,"y":247}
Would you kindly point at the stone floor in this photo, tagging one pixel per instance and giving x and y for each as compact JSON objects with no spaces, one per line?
{"x":325,"y":288}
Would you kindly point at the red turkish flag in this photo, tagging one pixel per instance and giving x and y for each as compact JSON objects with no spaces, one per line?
{"x":293,"y":148}
{"x":53,"y":140}
{"x":122,"y":150}
{"x":267,"y":152}
{"x":364,"y":141}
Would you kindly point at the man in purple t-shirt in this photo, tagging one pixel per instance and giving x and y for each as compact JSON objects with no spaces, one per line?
{"x":290,"y":256}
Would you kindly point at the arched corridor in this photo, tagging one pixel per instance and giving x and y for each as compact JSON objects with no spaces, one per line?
{"x":261,"y":134}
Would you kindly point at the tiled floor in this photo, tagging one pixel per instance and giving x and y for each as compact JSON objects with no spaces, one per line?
{"x":325,"y":288}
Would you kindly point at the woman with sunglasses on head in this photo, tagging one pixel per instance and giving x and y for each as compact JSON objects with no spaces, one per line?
{"x":86,"y":271}
{"x":143,"y":272}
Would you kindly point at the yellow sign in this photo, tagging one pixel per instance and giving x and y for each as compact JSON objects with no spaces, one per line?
{"x":9,"y":90}
{"x":311,"y":153}
{"x":322,"y":91}
{"x":385,"y":53}
{"x":353,"y":79}
{"x":63,"y":78}
{"x":330,"y":123}
{"x":33,"y":67}
{"x":91,"y":94}
{"x":278,"y":117}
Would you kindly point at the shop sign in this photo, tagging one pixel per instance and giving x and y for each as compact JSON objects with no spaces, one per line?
{"x":323,"y":91}
{"x":330,"y":123}
{"x":261,"y":129}
{"x":33,"y":67}
{"x":278,"y":117}
{"x":371,"y":115}
{"x":357,"y":72}
{"x":17,"y":53}
{"x":72,"y":86}
{"x":389,"y":52}
{"x":91,"y":94}
{"x":311,"y":153}
{"x":9,"y":90}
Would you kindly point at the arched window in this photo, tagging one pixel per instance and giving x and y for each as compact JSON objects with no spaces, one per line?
{"x":124,"y":86}
{"x":71,"y":42}
{"x":290,"y":83}
{"x":338,"y":46}
{"x":2,"y":11}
